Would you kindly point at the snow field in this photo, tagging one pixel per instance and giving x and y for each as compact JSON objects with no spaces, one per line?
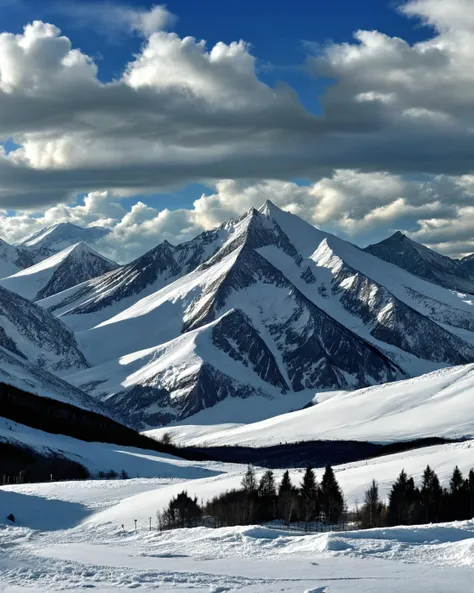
{"x":207,"y":479}
{"x":69,"y":535}
{"x":105,"y":558}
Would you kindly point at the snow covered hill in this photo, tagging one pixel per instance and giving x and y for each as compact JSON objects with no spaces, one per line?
{"x":36,"y":335}
{"x":57,"y":237}
{"x":16,"y":371}
{"x":59,"y":272}
{"x":438,"y":404}
{"x":424,"y":262}
{"x":95,"y":534}
{"x":265,"y":304}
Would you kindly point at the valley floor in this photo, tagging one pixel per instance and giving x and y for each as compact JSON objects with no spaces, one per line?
{"x":69,"y":537}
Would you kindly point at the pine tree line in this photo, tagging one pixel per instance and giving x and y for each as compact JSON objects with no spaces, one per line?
{"x":428,"y":503}
{"x":310,"y":502}
{"x":262,"y":501}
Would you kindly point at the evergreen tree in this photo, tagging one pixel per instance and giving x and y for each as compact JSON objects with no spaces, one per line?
{"x":403,"y":501}
{"x":249,"y":481}
{"x":372,"y":510}
{"x":309,"y":496}
{"x":285,"y":485}
{"x":330,"y":495}
{"x":457,"y":481}
{"x":267,"y":497}
{"x":431,"y":495}
{"x":287,"y":498}
{"x":267,"y":488}
{"x":182,"y":511}
{"x":470,"y":489}
{"x":458,"y":506}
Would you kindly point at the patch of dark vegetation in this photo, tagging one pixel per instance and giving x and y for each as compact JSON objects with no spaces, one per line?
{"x":20,"y":464}
{"x":58,"y":417}
{"x":314,"y":453}
{"x":320,"y":506}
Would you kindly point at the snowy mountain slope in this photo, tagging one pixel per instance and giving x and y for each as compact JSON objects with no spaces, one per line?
{"x":96,"y":301}
{"x":13,"y":259}
{"x":443,"y":306}
{"x":325,"y":313}
{"x":436,"y":404}
{"x":467,"y":264}
{"x":57,"y":237}
{"x":424,"y":262}
{"x":104,"y":456}
{"x":194,"y":371}
{"x":36,"y":335}
{"x":16,"y":371}
{"x":236,"y":287}
{"x":371,"y":311}
{"x":69,"y":267}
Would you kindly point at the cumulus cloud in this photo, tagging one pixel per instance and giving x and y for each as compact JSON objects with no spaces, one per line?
{"x":353,"y":204}
{"x":183,"y":112}
{"x":115,"y":18}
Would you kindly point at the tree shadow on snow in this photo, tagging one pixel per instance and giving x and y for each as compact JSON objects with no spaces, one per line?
{"x":40,"y":513}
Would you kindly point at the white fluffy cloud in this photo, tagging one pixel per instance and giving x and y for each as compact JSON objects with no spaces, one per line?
{"x":183,"y":112}
{"x":353,"y":204}
{"x":115,"y":18}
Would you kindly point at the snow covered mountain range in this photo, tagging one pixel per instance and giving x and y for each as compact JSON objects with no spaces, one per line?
{"x":434,"y":404}
{"x":13,"y":259}
{"x":265,"y":305}
{"x":422,"y":261}
{"x":54,"y":274}
{"x":57,"y":237}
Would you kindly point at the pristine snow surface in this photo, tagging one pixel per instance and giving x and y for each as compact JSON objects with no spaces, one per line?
{"x":69,"y":535}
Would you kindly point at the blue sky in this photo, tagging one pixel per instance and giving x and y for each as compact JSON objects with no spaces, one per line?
{"x":366,"y":136}
{"x":280,"y":32}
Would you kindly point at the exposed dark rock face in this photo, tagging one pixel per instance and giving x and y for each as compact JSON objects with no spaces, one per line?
{"x":424,"y":262}
{"x":31,"y":332}
{"x":81,"y":265}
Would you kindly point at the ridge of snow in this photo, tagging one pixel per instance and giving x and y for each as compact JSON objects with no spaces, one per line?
{"x":59,"y":236}
{"x":437,"y":404}
{"x":30,"y":281}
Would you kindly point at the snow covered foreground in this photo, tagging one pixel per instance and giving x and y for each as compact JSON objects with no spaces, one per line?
{"x":68,"y":536}
{"x":67,"y":553}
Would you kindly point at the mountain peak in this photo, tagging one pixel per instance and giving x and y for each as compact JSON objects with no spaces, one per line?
{"x":269,"y":208}
{"x":422,"y":261}
{"x":398,"y":235}
{"x":57,"y":237}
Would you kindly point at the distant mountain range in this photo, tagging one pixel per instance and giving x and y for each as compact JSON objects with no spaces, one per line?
{"x":54,"y":274}
{"x":426,"y":263}
{"x":265,"y":308}
{"x":57,"y":237}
